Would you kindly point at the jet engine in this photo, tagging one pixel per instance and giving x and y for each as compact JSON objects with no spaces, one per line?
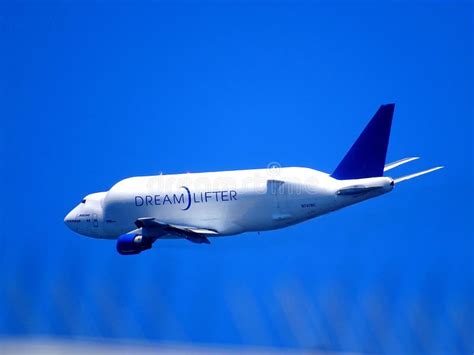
{"x":128,"y":244}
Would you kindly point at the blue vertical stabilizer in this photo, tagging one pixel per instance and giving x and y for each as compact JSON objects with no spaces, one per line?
{"x":366,"y":158}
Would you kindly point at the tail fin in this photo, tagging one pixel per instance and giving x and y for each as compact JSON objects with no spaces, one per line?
{"x":366,"y":158}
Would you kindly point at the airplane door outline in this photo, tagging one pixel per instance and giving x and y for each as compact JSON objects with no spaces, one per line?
{"x":279,"y":191}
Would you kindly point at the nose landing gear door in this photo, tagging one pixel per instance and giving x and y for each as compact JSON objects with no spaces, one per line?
{"x":95,"y":222}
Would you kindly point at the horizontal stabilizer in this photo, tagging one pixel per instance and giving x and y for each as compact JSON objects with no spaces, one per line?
{"x":411,"y":176}
{"x":397,"y":163}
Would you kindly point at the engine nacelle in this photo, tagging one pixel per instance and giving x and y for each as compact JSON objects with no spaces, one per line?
{"x":128,"y":244}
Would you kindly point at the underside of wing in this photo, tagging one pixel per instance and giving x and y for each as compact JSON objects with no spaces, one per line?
{"x":156,"y":229}
{"x":150,"y":229}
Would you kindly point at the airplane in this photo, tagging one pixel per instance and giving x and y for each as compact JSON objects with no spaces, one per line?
{"x":138,"y":211}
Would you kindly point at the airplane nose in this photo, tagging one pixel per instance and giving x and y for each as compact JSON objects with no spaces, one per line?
{"x":68,"y":220}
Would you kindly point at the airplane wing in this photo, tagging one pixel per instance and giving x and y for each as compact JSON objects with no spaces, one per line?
{"x":151,"y":227}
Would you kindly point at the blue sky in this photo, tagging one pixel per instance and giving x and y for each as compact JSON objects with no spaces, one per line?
{"x":96,"y":92}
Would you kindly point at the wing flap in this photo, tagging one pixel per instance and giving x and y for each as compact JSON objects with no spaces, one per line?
{"x":195,"y":230}
{"x":151,"y":227}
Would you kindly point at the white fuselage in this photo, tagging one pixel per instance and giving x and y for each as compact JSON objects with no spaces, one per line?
{"x":229,"y":202}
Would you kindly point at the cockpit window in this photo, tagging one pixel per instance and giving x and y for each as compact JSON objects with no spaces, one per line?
{"x":83,"y":201}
